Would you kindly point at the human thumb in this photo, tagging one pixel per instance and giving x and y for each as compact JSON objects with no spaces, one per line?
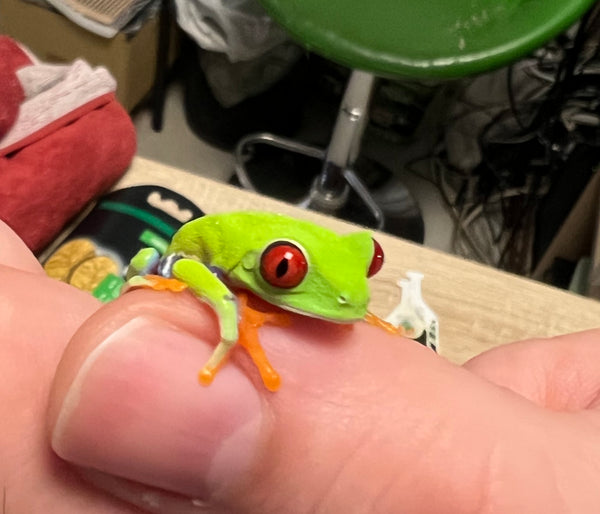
{"x":363,"y":421}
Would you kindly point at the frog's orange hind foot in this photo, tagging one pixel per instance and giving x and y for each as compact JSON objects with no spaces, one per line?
{"x":156,"y":283}
{"x":376,"y":321}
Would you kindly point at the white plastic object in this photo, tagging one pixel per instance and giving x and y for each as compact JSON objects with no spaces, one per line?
{"x":404,"y":314}
{"x":412,"y":313}
{"x":423,"y":311}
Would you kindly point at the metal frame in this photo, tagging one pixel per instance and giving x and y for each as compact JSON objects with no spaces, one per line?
{"x":330,"y":190}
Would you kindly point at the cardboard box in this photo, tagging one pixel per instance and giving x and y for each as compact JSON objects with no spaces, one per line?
{"x":54,"y":38}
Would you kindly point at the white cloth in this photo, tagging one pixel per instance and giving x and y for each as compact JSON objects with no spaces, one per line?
{"x":52,"y":92}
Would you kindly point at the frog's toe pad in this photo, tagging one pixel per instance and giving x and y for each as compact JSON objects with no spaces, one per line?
{"x":206,"y":375}
{"x":272,"y":380}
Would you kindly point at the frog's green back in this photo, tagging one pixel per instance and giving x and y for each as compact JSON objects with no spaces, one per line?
{"x":337,"y":264}
{"x":223,"y":239}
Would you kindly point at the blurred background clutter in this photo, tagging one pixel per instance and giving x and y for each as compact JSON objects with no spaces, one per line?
{"x":498,"y":167}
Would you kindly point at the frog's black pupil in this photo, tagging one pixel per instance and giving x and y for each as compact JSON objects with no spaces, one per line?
{"x":282,"y":268}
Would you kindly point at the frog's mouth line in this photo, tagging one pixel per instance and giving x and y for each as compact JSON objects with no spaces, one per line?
{"x":312,"y":314}
{"x":324,"y":318}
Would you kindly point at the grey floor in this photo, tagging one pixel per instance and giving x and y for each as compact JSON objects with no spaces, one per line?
{"x":178,"y":146}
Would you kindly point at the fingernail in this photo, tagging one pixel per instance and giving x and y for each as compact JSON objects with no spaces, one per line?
{"x":137,"y":411}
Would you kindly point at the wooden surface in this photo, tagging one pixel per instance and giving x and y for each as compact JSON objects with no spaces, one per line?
{"x":478,"y":307}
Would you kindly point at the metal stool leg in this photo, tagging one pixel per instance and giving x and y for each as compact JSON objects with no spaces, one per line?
{"x":271,"y":140}
{"x":330,"y":190}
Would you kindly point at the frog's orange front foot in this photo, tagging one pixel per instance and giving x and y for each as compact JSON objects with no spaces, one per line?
{"x":157,"y":283}
{"x":251,"y":320}
{"x":376,"y":321}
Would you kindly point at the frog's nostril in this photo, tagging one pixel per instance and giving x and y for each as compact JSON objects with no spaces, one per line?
{"x":342,"y":299}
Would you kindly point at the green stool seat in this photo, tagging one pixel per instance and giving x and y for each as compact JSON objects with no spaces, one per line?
{"x":424,"y":38}
{"x":433,"y":39}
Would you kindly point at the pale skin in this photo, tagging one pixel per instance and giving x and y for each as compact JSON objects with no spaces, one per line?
{"x":439,"y":438}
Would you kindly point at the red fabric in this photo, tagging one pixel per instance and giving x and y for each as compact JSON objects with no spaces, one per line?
{"x":11,"y":93}
{"x":45,"y":184}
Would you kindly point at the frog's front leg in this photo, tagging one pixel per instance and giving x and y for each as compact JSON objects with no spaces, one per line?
{"x":145,"y":262}
{"x":251,"y":320}
{"x":203,"y":283}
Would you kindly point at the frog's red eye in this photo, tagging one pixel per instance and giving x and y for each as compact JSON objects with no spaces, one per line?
{"x":377,"y":260}
{"x":283,"y":264}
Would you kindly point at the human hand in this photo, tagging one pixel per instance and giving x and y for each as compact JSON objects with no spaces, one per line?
{"x":363,"y":422}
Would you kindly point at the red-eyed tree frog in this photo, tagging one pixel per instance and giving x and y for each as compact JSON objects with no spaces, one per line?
{"x":295,"y":265}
